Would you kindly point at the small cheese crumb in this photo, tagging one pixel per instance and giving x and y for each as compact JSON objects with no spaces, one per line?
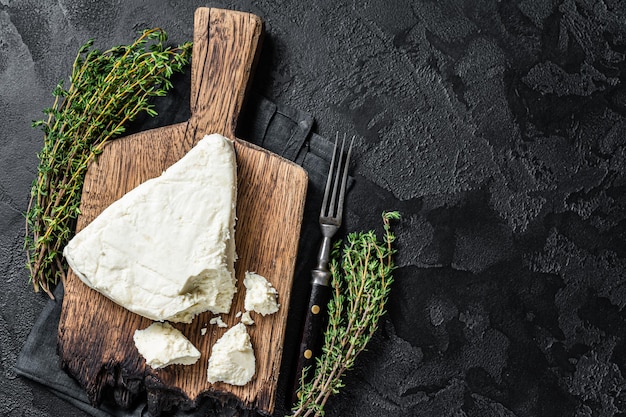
{"x":232,"y":358}
{"x":162,"y":345}
{"x":238,"y":314}
{"x":218,"y":320}
{"x":203,"y":331}
{"x":246,"y":319}
{"x":260,"y":295}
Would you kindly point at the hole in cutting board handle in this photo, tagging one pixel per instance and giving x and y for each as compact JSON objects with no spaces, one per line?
{"x":225,"y":49}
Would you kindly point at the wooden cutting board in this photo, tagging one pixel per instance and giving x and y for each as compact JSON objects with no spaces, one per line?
{"x":95,"y":334}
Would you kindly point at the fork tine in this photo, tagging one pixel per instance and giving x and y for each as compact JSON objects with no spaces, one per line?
{"x":337,"y":180}
{"x":333,"y":199}
{"x":329,"y":180}
{"x":344,"y":181}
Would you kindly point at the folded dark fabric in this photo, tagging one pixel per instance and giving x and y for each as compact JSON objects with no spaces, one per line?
{"x":280,"y":129}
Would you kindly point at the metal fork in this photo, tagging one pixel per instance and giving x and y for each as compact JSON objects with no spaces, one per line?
{"x":332,"y":211}
{"x":330,"y":221}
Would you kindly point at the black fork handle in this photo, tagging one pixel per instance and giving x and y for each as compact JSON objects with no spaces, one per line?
{"x":312,"y":333}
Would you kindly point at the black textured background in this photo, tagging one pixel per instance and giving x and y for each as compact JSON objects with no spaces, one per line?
{"x":496,"y":128}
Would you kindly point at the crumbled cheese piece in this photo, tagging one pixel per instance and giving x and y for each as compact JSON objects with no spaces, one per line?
{"x":246,"y":319}
{"x":260,"y":295}
{"x":218,"y":320}
{"x":166,"y":249}
{"x":232,"y":358}
{"x":162,"y":345}
{"x":238,"y":314}
{"x":203,"y":331}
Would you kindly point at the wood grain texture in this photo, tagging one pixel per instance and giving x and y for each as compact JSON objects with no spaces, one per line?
{"x":95,"y":334}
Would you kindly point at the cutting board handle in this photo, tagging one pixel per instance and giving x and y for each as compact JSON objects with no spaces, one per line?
{"x":225,"y":46}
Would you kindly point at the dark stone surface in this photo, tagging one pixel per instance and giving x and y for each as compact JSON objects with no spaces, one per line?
{"x":496,"y":128}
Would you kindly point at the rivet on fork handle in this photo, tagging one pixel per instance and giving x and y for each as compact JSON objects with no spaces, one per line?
{"x":330,"y":221}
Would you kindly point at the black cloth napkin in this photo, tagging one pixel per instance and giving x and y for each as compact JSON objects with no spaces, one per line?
{"x":280,"y":129}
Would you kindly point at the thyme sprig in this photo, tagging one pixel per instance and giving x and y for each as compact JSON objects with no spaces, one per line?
{"x":361,"y":282}
{"x":107,"y":90}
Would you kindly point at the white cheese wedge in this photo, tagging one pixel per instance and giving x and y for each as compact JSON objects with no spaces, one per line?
{"x":166,"y":249}
{"x":260,"y":295}
{"x":232,"y":358}
{"x":162,"y":345}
